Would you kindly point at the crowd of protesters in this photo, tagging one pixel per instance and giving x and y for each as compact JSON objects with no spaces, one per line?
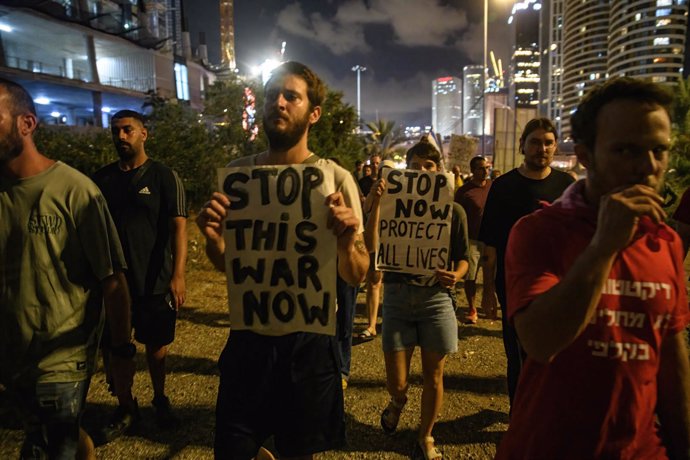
{"x":588,"y":277}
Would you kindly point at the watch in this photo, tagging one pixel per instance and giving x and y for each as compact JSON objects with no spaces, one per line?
{"x":126,"y":350}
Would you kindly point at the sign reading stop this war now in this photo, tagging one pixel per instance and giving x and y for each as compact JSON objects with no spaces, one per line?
{"x":415,"y":222}
{"x":279,"y":256}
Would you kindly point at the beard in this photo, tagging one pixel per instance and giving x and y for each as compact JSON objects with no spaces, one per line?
{"x":125,"y":151}
{"x":287,"y":138}
{"x":11,"y":146}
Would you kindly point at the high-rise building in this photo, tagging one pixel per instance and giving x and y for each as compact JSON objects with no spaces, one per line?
{"x":227,"y":35}
{"x":526,"y":17}
{"x":647,"y":39}
{"x":83,"y":60}
{"x":584,"y":51}
{"x":620,"y":38}
{"x":551,"y":84}
{"x":446,"y":106}
{"x":472,"y":99}
{"x":494,"y":100}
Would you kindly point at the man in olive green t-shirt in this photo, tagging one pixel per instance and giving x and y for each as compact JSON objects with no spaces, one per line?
{"x":60,"y":261}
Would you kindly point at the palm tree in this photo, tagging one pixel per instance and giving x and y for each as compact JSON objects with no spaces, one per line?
{"x":383,"y":139}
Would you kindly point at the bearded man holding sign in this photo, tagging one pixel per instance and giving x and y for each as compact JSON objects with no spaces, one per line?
{"x":276,"y":379}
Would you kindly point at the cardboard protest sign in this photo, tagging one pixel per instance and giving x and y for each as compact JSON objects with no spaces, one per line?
{"x":280,"y":259}
{"x":415,"y":220}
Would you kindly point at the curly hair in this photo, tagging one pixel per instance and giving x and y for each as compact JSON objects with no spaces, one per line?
{"x":316,"y":89}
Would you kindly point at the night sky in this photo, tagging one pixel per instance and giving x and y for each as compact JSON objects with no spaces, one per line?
{"x":404,"y":44}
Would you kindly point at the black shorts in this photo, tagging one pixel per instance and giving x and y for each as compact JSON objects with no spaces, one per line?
{"x":287,"y":386}
{"x":153,"y":319}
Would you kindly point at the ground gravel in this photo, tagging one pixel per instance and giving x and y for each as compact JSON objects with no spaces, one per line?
{"x":472,"y":420}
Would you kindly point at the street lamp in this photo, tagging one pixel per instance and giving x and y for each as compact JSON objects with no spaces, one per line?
{"x":359,"y":69}
{"x":484,"y":66}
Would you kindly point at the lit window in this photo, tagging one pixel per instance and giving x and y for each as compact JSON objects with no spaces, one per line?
{"x":181,"y":82}
{"x":661,"y":41}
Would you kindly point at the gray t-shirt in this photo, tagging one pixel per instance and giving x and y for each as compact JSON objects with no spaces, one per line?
{"x":57,"y":243}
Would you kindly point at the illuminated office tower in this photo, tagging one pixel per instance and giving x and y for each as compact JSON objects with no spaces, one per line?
{"x":551,"y":84}
{"x":472,"y":100}
{"x":227,"y":35}
{"x":526,"y":53}
{"x":446,"y":106}
{"x":618,"y":38}
{"x":585,"y":47}
{"x":647,"y":39}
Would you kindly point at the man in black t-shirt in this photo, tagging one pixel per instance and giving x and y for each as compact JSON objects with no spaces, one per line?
{"x":513,"y":195}
{"x":367,"y":180}
{"x":147,"y":202}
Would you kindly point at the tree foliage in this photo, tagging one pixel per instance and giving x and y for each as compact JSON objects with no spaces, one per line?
{"x":678,"y":176}
{"x":333,"y":135}
{"x":195,"y":144}
{"x":180,"y":139}
{"x":384,"y":139}
{"x":84,"y":148}
{"x":223,"y":111}
{"x":679,"y":173}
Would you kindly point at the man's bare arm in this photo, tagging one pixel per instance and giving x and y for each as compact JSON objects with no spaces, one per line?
{"x":210,"y":222}
{"x":179,"y":253}
{"x":373,"y":209}
{"x":353,"y":258}
{"x":117,"y":309}
{"x":556,"y":318}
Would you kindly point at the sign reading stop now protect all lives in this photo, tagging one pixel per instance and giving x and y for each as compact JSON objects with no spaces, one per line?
{"x":415,"y":222}
{"x":280,"y":257}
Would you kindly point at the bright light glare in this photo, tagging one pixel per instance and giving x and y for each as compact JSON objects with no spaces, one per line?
{"x":42,"y":100}
{"x":266,"y":68}
{"x":55,"y":114}
{"x":106,"y":109}
{"x":5,"y":28}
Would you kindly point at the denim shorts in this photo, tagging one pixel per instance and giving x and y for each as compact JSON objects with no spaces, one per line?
{"x":51,"y":413}
{"x":416,"y":315}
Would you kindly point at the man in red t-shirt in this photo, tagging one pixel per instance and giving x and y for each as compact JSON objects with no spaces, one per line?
{"x":596,"y":292}
{"x":472,"y":197}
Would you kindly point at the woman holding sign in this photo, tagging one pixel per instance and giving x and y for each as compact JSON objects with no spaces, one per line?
{"x":418,"y":310}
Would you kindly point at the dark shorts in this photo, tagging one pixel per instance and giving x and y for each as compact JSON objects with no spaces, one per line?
{"x":153,"y":319}
{"x":287,"y":386}
{"x":51,"y":413}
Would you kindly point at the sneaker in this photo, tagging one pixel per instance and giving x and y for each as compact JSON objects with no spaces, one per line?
{"x":165,"y":418}
{"x":121,"y":422}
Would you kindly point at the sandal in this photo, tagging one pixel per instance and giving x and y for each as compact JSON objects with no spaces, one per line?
{"x":366,"y":334}
{"x":391,"y":415}
{"x":422,"y":453}
{"x":471,"y":318}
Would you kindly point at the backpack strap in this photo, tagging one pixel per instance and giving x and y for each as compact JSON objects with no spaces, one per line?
{"x":313,"y":158}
